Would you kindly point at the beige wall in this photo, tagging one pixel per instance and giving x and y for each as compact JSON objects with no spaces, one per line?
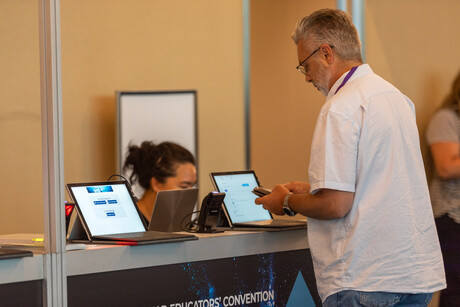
{"x":21,"y":200}
{"x":283,"y":107}
{"x":111,"y":45}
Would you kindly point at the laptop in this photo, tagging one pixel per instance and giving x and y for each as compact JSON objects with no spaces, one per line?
{"x":108,"y":213}
{"x":173,"y":209}
{"x":9,"y":253}
{"x":239,"y":207}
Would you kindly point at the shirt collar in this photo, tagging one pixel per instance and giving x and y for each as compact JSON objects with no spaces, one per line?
{"x":363,"y":69}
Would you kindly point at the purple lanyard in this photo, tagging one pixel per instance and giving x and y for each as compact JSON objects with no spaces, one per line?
{"x":347,"y":77}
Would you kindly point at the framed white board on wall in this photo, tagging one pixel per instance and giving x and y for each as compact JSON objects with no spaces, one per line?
{"x":157,"y":117}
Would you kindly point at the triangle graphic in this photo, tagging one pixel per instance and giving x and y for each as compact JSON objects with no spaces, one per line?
{"x":300,"y":295}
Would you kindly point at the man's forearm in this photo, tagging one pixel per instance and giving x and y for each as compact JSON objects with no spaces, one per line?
{"x":324,"y":205}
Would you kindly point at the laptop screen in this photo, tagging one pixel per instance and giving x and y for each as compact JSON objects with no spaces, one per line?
{"x":106,"y":207}
{"x":239,"y":200}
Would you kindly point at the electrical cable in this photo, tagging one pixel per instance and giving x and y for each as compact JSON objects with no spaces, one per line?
{"x":118,"y":175}
{"x":191,"y":226}
{"x":129,"y":186}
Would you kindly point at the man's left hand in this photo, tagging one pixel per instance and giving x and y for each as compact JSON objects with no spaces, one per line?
{"x":273,"y":202}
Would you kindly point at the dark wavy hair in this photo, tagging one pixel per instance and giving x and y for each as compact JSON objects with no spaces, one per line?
{"x":160,"y":161}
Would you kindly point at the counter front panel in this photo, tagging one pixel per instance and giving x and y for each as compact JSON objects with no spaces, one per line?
{"x":272,"y":279}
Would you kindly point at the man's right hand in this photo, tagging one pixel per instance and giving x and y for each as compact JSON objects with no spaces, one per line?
{"x":298,"y":187}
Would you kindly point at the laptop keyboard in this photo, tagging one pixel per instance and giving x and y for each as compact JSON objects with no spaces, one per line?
{"x":145,"y":236}
{"x":262,"y":223}
{"x":130,"y":235}
{"x":279,"y":223}
{"x":137,"y":236}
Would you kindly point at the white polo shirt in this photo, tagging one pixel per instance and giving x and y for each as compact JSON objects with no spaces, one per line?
{"x":366,"y":141}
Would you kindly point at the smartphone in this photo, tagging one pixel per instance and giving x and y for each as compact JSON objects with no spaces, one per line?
{"x":261,"y":191}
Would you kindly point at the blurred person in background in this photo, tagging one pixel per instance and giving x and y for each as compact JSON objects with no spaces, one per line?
{"x":443,"y":137}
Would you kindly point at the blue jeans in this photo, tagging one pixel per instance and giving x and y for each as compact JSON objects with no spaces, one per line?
{"x":350,"y":298}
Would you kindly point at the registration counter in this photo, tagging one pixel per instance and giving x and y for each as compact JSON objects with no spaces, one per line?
{"x":225,"y":269}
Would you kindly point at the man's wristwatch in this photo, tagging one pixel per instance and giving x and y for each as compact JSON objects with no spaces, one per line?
{"x":286,"y":208}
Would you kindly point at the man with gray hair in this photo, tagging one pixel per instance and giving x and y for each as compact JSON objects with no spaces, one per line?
{"x":370,"y":224}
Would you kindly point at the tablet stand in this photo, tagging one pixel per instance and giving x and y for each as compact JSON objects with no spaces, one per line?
{"x":76,"y":230}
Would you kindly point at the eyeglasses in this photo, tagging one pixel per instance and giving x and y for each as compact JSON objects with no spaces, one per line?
{"x":304,"y":69}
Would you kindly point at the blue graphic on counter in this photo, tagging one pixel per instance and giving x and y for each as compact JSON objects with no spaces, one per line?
{"x":261,"y":292}
{"x":300,"y":295}
{"x":268,"y":280}
{"x":261,"y":280}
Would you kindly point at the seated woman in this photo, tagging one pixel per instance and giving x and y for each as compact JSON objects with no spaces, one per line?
{"x":443,"y":137}
{"x":166,"y":166}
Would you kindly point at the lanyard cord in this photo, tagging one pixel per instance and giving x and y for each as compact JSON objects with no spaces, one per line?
{"x":347,"y":77}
